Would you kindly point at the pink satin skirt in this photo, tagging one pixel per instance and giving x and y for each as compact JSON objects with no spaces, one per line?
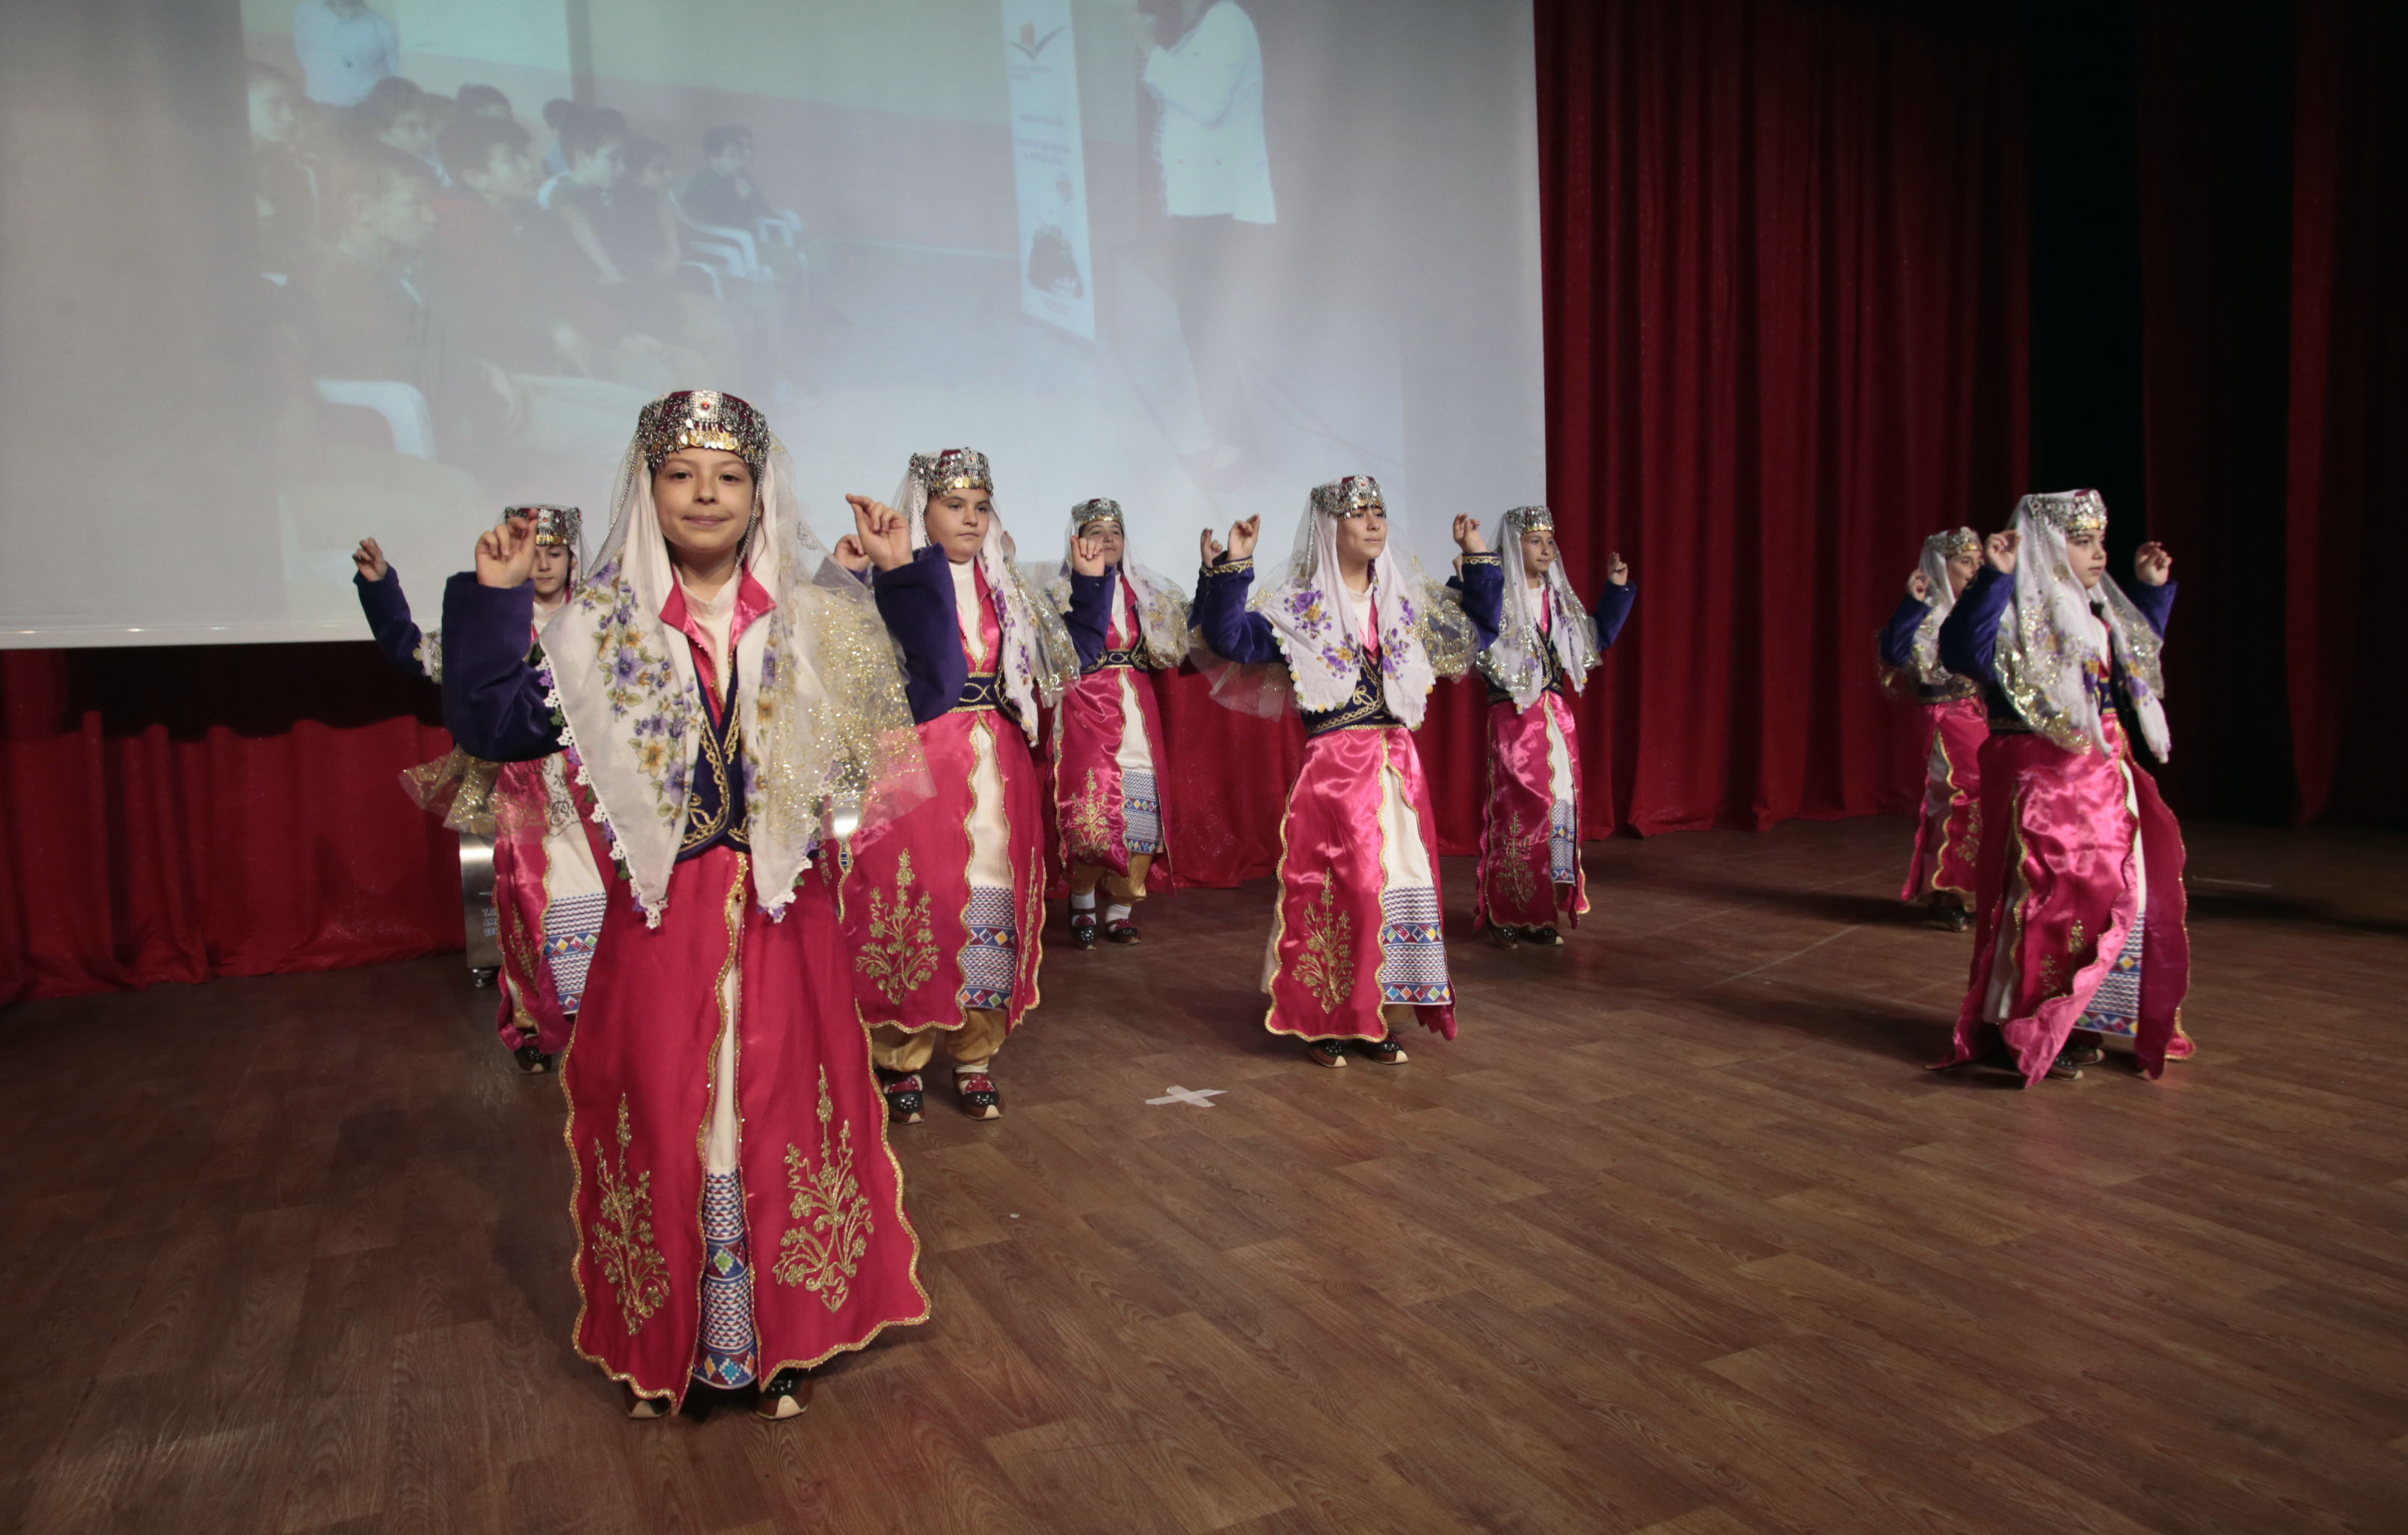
{"x":2058,"y":896}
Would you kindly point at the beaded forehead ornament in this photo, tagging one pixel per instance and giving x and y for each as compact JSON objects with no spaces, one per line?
{"x":702,"y":417}
{"x":952,"y":469}
{"x":554,"y":526}
{"x":1350,"y":496}
{"x":2074,"y":512}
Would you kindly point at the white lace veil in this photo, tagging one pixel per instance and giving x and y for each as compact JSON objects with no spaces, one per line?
{"x":828,"y":741}
{"x":1922,"y":650}
{"x":2050,"y":629}
{"x":1037,"y":659}
{"x":1515,"y":661}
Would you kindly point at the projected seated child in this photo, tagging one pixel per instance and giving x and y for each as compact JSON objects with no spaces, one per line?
{"x":500,"y":263}
{"x":373,"y":312}
{"x":400,"y":115}
{"x":283,"y":191}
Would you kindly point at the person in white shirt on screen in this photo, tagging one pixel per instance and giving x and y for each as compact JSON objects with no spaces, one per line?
{"x":1209,"y":138}
{"x":1217,"y":187}
{"x":345,"y":48}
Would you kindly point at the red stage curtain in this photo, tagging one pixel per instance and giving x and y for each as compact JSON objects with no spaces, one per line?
{"x":1787,"y":339}
{"x":178,"y":814}
{"x":2347,"y":539}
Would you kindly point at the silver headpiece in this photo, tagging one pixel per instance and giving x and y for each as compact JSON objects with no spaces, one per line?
{"x":555,"y":527}
{"x":1523,"y":520}
{"x":702,"y":417}
{"x":1350,"y":496}
{"x":1101,"y":509}
{"x":952,"y":469}
{"x":2074,"y":512}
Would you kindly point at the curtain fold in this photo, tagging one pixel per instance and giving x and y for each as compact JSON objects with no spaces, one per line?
{"x":1786,"y":338}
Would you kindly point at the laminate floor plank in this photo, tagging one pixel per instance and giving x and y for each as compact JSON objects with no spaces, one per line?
{"x":1680,"y":1236}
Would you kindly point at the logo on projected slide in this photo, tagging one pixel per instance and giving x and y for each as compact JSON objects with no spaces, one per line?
{"x":1029,"y":45}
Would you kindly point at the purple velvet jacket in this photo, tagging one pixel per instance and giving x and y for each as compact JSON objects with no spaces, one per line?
{"x":916,"y":600}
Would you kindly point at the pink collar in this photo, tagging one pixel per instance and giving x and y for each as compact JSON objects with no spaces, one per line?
{"x":752,"y":601}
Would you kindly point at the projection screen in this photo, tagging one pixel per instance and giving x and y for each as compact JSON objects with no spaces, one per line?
{"x":1195,"y":255}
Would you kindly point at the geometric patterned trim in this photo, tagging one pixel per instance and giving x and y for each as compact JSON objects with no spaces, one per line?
{"x":2115,"y":1007}
{"x":571,"y":927}
{"x":1141,"y":812}
{"x":990,"y":958}
{"x":1412,"y":947}
{"x":1563,"y":846}
{"x":729,"y":1354}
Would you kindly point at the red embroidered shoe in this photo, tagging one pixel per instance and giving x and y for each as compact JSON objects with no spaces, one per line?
{"x":979,"y":1098}
{"x":903,"y":1100}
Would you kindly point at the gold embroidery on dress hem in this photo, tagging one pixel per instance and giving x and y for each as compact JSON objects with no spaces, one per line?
{"x":1327,"y":965}
{"x":1513,"y":879}
{"x":823,"y":1250}
{"x":622,"y":1233}
{"x":1087,"y":825}
{"x":901,"y":954}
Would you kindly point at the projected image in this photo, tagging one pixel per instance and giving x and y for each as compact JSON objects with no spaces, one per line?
{"x":1192,"y":254}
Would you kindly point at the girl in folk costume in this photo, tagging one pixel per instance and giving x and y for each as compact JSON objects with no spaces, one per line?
{"x":1530,"y":841}
{"x":2080,"y":930}
{"x":945,"y":908}
{"x":1356,"y":944}
{"x":738,"y":1216}
{"x":1948,"y":838}
{"x":548,"y":890}
{"x":1107,"y":731}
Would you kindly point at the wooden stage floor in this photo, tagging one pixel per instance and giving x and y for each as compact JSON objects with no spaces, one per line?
{"x":1679,"y":1237}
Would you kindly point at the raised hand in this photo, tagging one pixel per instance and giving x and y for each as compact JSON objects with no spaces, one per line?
{"x":2000,"y":548}
{"x":880,"y":531}
{"x":1918,"y":586}
{"x":2152,"y":564}
{"x":1615,"y":571}
{"x":505,"y":553}
{"x":849,"y":554}
{"x":1087,"y":555}
{"x":1210,"y":547}
{"x":370,"y":559}
{"x":1242,"y":536}
{"x":1467,"y":534}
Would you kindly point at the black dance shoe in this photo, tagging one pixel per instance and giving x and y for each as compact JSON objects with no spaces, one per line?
{"x":1505,"y":935}
{"x":1545,"y":938}
{"x":1083,"y":928}
{"x":531,"y":1059}
{"x":1121,"y":931}
{"x":1385,"y":1052}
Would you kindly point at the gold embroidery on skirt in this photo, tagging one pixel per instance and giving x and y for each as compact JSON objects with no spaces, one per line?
{"x":1327,"y":966}
{"x":824,"y":1249}
{"x":901,"y":954}
{"x":1086,"y":825}
{"x":622,"y":1233}
{"x":1513,"y":880}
